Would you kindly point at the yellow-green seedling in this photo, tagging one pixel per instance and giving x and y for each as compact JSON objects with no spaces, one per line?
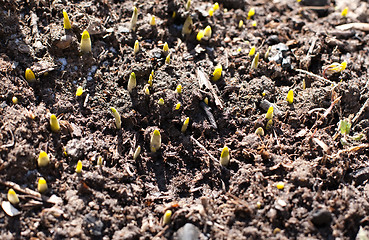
{"x":153,"y":21}
{"x":13,"y":197}
{"x":118,"y":122}
{"x":259,"y":131}
{"x":240,"y":24}
{"x":43,"y":159}
{"x":85,"y":42}
{"x":200,"y":35}
{"x":150,"y":79}
{"x":155,"y":141}
{"x":147,"y":90}
{"x":255,"y":61}
{"x":179,"y":88}
{"x":66,"y":21}
{"x":344,"y":12}
{"x":289,"y":97}
{"x":206,"y":100}
{"x":269,"y":114}
{"x":217,"y":74}
{"x":216,"y":6}
{"x":165,"y":49}
{"x":99,"y":161}
{"x":345,"y":126}
{"x":211,"y":12}
{"x":15,"y":100}
{"x":280,"y":185}
{"x":30,"y":76}
{"x":79,"y":166}
{"x":174,"y":14}
{"x":178,"y":105}
{"x":134,"y":19}
{"x":187,"y":26}
{"x":79,"y":91}
{"x":137,"y":153}
{"x":358,"y":137}
{"x":251,"y":13}
{"x":252,"y":51}
{"x":161,"y":101}
{"x":136,"y":47}
{"x":335,"y":68}
{"x":269,"y":124}
{"x":185,"y":125}
{"x":303,"y":84}
{"x":225,"y":157}
{"x":167,"y":59}
{"x":131,"y":82}
{"x":167,"y":217}
{"x":188,"y":5}
{"x":254,"y":23}
{"x":54,"y":123}
{"x":267,"y":53}
{"x":207,"y":33}
{"x":42,"y":185}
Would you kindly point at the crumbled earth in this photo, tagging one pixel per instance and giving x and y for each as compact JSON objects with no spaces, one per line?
{"x":324,"y":171}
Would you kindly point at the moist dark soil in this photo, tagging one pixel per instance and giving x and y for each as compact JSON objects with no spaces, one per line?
{"x":325,"y":172}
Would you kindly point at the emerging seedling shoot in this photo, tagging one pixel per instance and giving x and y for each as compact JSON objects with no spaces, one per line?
{"x":185,"y":125}
{"x":13,"y":197}
{"x":137,"y":153}
{"x":165,"y":49}
{"x":217,"y":74}
{"x":255,"y":61}
{"x":30,"y":76}
{"x":134,"y":19}
{"x":155,"y":141}
{"x":224,"y":157}
{"x":54,"y":123}
{"x":131,"y":82}
{"x":179,"y":88}
{"x":79,"y":91}
{"x":42,"y":185}
{"x":43,"y":159}
{"x":269,"y":114}
{"x":289,"y":97}
{"x":79,"y":166}
{"x":66,"y":21}
{"x":136,"y":48}
{"x":167,"y":217}
{"x":116,"y":115}
{"x":153,"y":21}
{"x":85,"y":42}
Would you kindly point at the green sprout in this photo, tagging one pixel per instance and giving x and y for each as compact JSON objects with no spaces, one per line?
{"x":185,"y":125}
{"x":225,"y":156}
{"x":255,"y":62}
{"x":259,"y":131}
{"x":155,"y":141}
{"x":137,"y":153}
{"x":43,"y":159}
{"x":85,"y":44}
{"x":345,"y":126}
{"x":54,"y":123}
{"x":134,"y":19}
{"x":116,"y":115}
{"x":131,"y":82}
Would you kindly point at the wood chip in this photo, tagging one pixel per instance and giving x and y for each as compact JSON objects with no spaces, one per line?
{"x":9,"y":209}
{"x":358,"y":26}
{"x":322,"y":145}
{"x":204,"y":82}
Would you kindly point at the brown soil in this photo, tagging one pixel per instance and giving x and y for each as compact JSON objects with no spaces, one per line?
{"x":325,"y":173}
